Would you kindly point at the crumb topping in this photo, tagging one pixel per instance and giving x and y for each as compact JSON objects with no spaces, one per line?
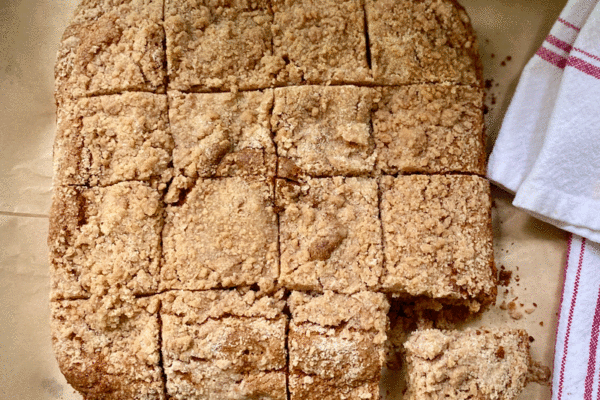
{"x":111,"y":47}
{"x":429,"y":41}
{"x":330,"y":234}
{"x":224,"y":345}
{"x":205,"y":167}
{"x":320,"y":41}
{"x":438,"y":237}
{"x":430,"y":129}
{"x":105,"y":140}
{"x":222,"y":134}
{"x":325,"y":131}
{"x":223,"y":233}
{"x":222,"y":45}
{"x":105,"y":240}
{"x":336,"y":345}
{"x":109,"y":354}
{"x":482,"y":364}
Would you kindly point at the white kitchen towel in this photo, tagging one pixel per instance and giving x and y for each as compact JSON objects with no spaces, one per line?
{"x":577,"y":351}
{"x":564,"y":183}
{"x":526,"y":121}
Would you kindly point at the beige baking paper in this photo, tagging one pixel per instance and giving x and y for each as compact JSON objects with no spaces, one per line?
{"x":29,"y":37}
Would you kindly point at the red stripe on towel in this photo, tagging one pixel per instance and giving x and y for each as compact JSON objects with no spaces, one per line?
{"x":552,"y":57}
{"x":559,"y":43}
{"x":562,"y":293}
{"x":586,"y":53}
{"x":584,"y":67}
{"x":589,"y":378}
{"x":561,"y":380}
{"x":570,"y":25}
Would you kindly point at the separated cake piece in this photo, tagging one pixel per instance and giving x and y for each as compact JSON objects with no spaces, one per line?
{"x":105,"y":240}
{"x":437,"y":238}
{"x":430,"y":129}
{"x":112,"y":47}
{"x":109,"y":354}
{"x":321,"y":41}
{"x":324,"y":130}
{"x":473,"y":364}
{"x":219,"y":45}
{"x":223,"y":345}
{"x":223,"y":233}
{"x":330,"y":234}
{"x":222,"y":134}
{"x":336,"y":345}
{"x":426,"y":41}
{"x":104,"y":140}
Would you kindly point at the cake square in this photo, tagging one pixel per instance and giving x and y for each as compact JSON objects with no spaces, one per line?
{"x":105,"y":240}
{"x":219,"y":45}
{"x":330,"y":234}
{"x":427,"y":41}
{"x":321,"y":41}
{"x":437,"y":238}
{"x":430,"y":129}
{"x":112,"y":47}
{"x":222,"y":134}
{"x":222,"y":234}
{"x":324,"y":130}
{"x":224,"y":345}
{"x":105,"y":140}
{"x":336,"y":345}
{"x":472,"y":364}
{"x":109,"y":353}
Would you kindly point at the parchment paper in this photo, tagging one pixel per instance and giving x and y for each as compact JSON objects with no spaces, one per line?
{"x":29,"y":35}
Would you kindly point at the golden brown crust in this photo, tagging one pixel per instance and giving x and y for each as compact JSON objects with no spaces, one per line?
{"x":336,"y":345}
{"x":105,"y":240}
{"x":438,"y":237}
{"x":225,"y":345}
{"x":430,"y":129}
{"x":220,"y":45}
{"x":109,"y":354}
{"x":459,"y":365}
{"x":222,"y":134}
{"x":325,"y":130}
{"x":111,"y":47}
{"x":105,"y":140}
{"x":223,"y":235}
{"x":426,"y":41}
{"x":320,"y":41}
{"x":330,"y":234}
